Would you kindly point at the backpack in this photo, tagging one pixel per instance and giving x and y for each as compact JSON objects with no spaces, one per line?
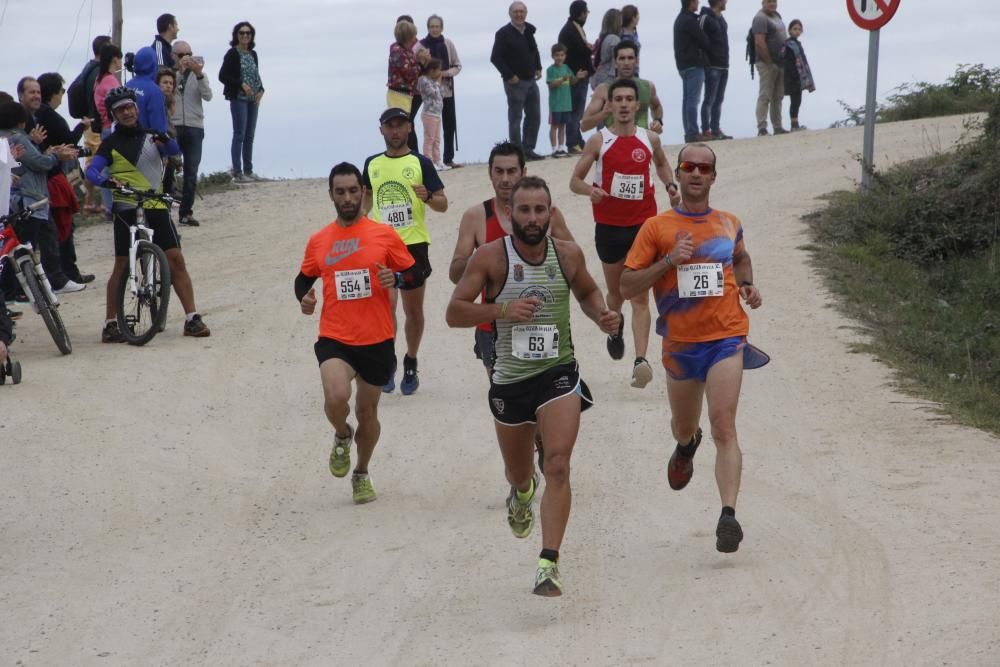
{"x":596,"y":57}
{"x":77,"y":95}
{"x":751,"y":51}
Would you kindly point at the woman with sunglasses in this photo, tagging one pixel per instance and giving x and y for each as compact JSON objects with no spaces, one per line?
{"x":695,"y":259}
{"x":240,"y":77}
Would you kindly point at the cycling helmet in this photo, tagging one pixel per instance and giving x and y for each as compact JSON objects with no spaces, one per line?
{"x":116,"y":97}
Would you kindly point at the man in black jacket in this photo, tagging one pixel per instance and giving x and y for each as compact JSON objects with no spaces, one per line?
{"x":515,"y":55}
{"x":578,"y":59}
{"x":690,"y":45}
{"x":714,"y":25}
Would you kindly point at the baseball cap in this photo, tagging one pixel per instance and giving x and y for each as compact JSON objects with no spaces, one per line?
{"x":391,"y":114}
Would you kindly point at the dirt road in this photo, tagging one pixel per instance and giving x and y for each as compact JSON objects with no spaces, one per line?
{"x":171,"y":505}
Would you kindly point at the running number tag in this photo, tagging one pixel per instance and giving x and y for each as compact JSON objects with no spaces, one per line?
{"x":535,"y":341}
{"x":397,"y":215}
{"x":628,"y":186}
{"x":698,"y":280}
{"x":356,"y":284}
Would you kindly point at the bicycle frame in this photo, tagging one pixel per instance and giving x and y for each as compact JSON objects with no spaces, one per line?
{"x":134,"y":230}
{"x":14,"y":249}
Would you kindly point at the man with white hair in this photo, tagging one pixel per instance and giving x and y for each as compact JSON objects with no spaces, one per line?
{"x":515,"y":55}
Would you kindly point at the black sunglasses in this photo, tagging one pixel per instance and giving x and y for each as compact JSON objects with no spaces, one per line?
{"x":245,"y":32}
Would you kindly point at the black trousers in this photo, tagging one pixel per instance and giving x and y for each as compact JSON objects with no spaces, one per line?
{"x":47,"y":242}
{"x":67,"y":257}
{"x":411,"y":141}
{"x":796,"y":103}
{"x":448,"y":122}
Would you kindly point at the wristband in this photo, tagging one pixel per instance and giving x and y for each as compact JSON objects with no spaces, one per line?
{"x":666,"y":260}
{"x":503,"y":309}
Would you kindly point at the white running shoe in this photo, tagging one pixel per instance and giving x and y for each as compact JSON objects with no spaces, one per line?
{"x":70,"y":286}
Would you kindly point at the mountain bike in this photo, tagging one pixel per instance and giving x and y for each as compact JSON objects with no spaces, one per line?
{"x":144,"y":292}
{"x":30,"y":274}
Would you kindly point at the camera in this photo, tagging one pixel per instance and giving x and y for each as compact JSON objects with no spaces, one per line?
{"x":83,"y":151}
{"x":129,"y":62}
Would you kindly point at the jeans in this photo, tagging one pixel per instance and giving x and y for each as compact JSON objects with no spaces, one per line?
{"x":694,"y":80}
{"x":772,"y":91}
{"x":244,"y":114}
{"x":578,"y":94}
{"x":715,"y":92}
{"x":523,"y":99}
{"x":450,"y":129}
{"x":190,"y":140}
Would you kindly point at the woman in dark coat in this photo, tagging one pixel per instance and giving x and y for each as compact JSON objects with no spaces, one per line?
{"x":240,"y":78}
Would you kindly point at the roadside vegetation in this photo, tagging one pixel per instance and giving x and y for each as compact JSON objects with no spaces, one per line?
{"x":917,"y":262}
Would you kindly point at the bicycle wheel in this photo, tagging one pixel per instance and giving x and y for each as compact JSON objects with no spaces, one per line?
{"x":141,"y":313}
{"x":50,"y":313}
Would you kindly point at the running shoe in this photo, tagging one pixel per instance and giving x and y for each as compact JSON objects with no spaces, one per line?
{"x":680,"y":468}
{"x":616,"y":342}
{"x":642,"y":373}
{"x":390,"y":386}
{"x":196,"y":328}
{"x":410,"y":382}
{"x":547,"y":582}
{"x":520,"y":517}
{"x":111,"y":333}
{"x":189,"y":221}
{"x":780,"y":130}
{"x":728,"y":534}
{"x":762,"y":132}
{"x":14,"y":314}
{"x":363,"y":490}
{"x":69,"y":287}
{"x":340,"y":455}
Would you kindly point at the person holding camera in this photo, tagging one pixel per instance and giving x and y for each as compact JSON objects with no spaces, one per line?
{"x":192,"y":91}
{"x":149,"y":97}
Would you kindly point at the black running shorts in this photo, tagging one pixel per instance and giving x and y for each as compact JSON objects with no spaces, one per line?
{"x":157,"y":219}
{"x":422,"y":266}
{"x":375,"y":364}
{"x":613,"y":243}
{"x":517,"y":403}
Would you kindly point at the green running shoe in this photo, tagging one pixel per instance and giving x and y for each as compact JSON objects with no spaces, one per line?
{"x":340,"y":456}
{"x":364,"y":492}
{"x":519,"y":515}
{"x":547,"y":582}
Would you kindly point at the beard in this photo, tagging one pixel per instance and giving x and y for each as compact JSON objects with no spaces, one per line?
{"x":531,"y":234}
{"x":348,"y":212}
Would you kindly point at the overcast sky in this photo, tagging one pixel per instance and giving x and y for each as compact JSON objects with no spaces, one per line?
{"x":323,"y":62}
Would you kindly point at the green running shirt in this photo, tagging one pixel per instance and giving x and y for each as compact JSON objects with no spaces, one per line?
{"x":391,"y":181}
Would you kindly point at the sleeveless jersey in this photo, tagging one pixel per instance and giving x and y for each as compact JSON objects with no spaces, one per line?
{"x":494,"y":231}
{"x":623,"y":171}
{"x":391,"y":181}
{"x":527,"y":349}
{"x":641,"y":116}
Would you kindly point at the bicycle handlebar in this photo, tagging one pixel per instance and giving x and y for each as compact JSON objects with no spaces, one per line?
{"x":144,"y":195}
{"x":25,"y":212}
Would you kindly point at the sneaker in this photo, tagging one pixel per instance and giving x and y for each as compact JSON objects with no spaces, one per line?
{"x":196,"y":328}
{"x":454,"y":165}
{"x":390,"y":386}
{"x":575,"y":150}
{"x":362,"y":489}
{"x":642,"y":373}
{"x":728,"y":534}
{"x":547,"y":582}
{"x":762,"y":132}
{"x":13,"y":314}
{"x":243,"y":178}
{"x":616,"y":342}
{"x":189,"y":221}
{"x":111,"y":333}
{"x":532,"y":156}
{"x":680,"y":468}
{"x":254,"y":178}
{"x":780,"y":130}
{"x":84,"y":278}
{"x":520,"y":517}
{"x":799,"y":128}
{"x":410,"y":382}
{"x":340,"y":455}
{"x":442,"y":167}
{"x":70,"y":286}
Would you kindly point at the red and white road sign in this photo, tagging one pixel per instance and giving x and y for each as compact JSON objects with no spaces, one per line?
{"x":871,"y":14}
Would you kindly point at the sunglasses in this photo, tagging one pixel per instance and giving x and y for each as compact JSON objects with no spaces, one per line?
{"x":704,"y":168}
{"x":244,"y":32}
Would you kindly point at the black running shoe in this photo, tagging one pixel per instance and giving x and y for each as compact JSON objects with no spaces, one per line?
{"x":728,"y":534}
{"x":616,"y":342}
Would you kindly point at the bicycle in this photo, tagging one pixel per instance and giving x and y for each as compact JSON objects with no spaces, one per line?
{"x":30,"y":274}
{"x":144,"y":292}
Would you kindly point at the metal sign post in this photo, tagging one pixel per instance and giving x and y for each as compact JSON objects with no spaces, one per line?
{"x":871,"y":15}
{"x":868,"y":152}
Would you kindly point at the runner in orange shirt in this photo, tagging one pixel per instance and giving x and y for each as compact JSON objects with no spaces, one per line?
{"x":359,"y":261}
{"x":695,"y":259}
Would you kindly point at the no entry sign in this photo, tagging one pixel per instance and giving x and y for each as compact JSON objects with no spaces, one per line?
{"x":871,"y":14}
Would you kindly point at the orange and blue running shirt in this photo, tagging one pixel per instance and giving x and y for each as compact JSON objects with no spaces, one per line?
{"x":622,"y":170}
{"x":698,"y":316}
{"x":356,"y":308}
